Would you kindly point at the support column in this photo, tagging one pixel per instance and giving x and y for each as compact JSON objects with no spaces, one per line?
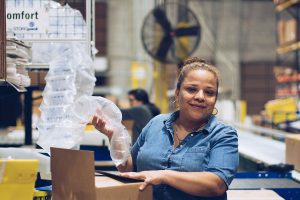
{"x":125,"y":20}
{"x":227,"y":55}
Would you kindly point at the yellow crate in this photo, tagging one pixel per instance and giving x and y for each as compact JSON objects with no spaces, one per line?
{"x":282,"y":110}
{"x":17,"y":178}
{"x":41,"y":195}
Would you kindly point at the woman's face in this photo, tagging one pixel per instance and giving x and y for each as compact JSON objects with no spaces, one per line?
{"x":133,"y":101}
{"x":197,"y":95}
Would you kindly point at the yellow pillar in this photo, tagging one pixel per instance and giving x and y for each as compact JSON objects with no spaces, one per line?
{"x":138,"y":75}
{"x":243,"y":110}
{"x":160,"y":78}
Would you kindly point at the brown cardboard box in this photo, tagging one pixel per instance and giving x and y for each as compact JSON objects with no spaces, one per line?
{"x":111,"y":189}
{"x":291,"y":34}
{"x":253,"y":194}
{"x":37,"y":77}
{"x":292,"y":150}
{"x":38,"y":99}
{"x":73,"y":177}
{"x":281,"y":32}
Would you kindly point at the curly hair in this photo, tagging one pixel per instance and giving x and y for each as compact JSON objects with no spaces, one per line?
{"x":195,"y":63}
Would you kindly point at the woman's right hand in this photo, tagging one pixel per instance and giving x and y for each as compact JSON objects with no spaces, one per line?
{"x":100,"y":125}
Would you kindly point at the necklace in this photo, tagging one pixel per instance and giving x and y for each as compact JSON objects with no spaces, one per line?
{"x":176,"y":134}
{"x":176,"y":130}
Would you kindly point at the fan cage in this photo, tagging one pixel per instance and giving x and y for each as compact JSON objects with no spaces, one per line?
{"x":179,"y":16}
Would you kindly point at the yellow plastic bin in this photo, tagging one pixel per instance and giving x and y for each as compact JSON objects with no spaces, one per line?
{"x":17,"y":178}
{"x":282,"y":110}
{"x":41,"y":195}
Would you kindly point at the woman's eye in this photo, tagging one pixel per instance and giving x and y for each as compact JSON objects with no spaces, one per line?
{"x":191,"y":89}
{"x":210,"y":93}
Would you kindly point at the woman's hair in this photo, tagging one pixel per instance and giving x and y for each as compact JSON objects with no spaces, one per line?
{"x":195,"y":63}
{"x":140,"y":95}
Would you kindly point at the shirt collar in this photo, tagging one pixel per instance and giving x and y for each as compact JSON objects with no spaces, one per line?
{"x":207,"y":129}
{"x":171,"y":119}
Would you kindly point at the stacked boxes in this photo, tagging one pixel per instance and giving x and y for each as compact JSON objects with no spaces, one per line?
{"x":292,"y":143}
{"x":287,"y":31}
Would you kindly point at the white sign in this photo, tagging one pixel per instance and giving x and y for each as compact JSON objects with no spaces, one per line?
{"x":27,"y":20}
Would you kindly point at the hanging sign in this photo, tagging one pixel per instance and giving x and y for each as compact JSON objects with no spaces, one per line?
{"x":27,"y":20}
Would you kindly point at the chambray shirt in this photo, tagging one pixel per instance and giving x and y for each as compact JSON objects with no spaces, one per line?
{"x":213,"y":149}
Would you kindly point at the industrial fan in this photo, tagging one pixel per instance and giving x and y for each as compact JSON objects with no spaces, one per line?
{"x":171,"y":33}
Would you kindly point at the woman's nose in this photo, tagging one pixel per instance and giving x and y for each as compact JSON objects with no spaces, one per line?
{"x":200,"y":95}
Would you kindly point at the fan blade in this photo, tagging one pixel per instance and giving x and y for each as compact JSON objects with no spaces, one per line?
{"x":164,"y":47}
{"x":193,"y":30}
{"x":162,"y":19}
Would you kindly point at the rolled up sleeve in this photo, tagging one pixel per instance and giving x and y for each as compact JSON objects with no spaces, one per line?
{"x":224,"y":156}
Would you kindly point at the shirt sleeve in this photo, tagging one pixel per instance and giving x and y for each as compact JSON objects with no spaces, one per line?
{"x":127,"y":113}
{"x":224,"y":156}
{"x":138,"y":144}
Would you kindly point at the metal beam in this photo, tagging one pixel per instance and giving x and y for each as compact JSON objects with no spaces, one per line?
{"x":2,"y":41}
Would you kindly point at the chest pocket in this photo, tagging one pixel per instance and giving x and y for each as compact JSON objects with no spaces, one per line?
{"x":195,"y":159}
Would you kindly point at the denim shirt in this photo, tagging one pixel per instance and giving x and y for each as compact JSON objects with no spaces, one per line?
{"x":213,"y":149}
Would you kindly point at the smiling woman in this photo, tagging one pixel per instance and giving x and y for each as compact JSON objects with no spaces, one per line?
{"x":187,"y":154}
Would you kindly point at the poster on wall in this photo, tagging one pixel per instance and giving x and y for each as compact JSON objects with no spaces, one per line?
{"x":44,"y":19}
{"x":22,"y":20}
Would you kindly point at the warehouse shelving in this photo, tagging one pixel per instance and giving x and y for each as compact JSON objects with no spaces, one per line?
{"x":288,"y":84}
{"x":288,"y":48}
{"x":2,"y":42}
{"x":286,"y":4}
{"x":79,"y":36}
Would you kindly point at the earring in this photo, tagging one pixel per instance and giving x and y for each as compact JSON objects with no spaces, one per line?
{"x":215,"y":111}
{"x":175,"y":105}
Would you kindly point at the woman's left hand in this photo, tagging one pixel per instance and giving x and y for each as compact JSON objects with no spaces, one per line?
{"x":149,"y":177}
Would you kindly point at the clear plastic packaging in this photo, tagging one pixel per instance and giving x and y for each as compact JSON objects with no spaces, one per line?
{"x":60,"y":70}
{"x":86,"y":107}
{"x":120,"y":144}
{"x":65,"y":135}
{"x":54,"y":114}
{"x":58,"y":98}
{"x":86,"y":89}
{"x":60,"y":83}
{"x":44,"y":127}
{"x":70,"y":71}
{"x":22,"y":153}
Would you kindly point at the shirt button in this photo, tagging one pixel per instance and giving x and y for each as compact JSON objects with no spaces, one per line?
{"x":192,"y":134}
{"x":180,"y":145}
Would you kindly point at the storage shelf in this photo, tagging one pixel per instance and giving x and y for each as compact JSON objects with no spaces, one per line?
{"x":3,"y":83}
{"x":292,"y":95}
{"x":288,"y":78}
{"x":288,"y":48}
{"x":286,"y":4}
{"x":37,"y":66}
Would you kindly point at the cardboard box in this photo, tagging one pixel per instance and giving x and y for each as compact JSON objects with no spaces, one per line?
{"x":281,"y":32}
{"x":291,"y":31}
{"x":292,"y":149}
{"x":37,"y":77}
{"x":38,"y":99}
{"x":253,"y":194}
{"x":73,"y":177}
{"x":112,"y":189}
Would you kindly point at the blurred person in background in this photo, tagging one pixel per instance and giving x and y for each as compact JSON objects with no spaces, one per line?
{"x":188,"y":154}
{"x":141,"y":111}
{"x":139,"y":97}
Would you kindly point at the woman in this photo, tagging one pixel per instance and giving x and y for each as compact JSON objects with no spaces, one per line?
{"x":187,"y":154}
{"x":141,"y":111}
{"x":138,"y":97}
